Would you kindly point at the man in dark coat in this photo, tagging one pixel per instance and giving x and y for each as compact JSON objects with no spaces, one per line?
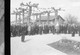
{"x":23,"y":35}
{"x":50,"y":29}
{"x":53,"y":29}
{"x":26,"y":30}
{"x":65,"y":29}
{"x":76,"y":29}
{"x":69,"y":29}
{"x":73,"y":30}
{"x":36,"y":29}
{"x":40,"y":29}
{"x":46,"y":29}
{"x":61,"y":29}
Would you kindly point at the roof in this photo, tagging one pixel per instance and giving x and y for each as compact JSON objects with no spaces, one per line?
{"x":59,"y":17}
{"x":44,"y":18}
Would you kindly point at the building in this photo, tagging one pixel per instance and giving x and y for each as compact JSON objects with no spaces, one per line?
{"x":52,"y":20}
{"x":44,"y":20}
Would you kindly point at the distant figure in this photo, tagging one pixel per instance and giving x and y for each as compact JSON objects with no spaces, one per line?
{"x":69,"y":29}
{"x":76,"y":29}
{"x":65,"y":29}
{"x":57,"y":28}
{"x":29,"y":29}
{"x":46,"y":29}
{"x":23,"y":37}
{"x":73,"y":30}
{"x":40,"y":29}
{"x":61,"y":29}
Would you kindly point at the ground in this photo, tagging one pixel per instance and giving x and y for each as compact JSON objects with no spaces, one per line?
{"x":70,"y":47}
{"x":38,"y":44}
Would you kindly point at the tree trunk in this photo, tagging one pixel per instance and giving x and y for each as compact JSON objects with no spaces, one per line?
{"x":23,"y":16}
{"x":16,"y":18}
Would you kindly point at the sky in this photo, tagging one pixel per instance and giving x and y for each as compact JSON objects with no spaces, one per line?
{"x":71,"y":6}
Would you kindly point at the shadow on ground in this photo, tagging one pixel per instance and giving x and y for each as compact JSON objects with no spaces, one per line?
{"x":69,"y":47}
{"x":27,"y":40}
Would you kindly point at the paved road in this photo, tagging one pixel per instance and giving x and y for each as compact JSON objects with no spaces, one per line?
{"x":35,"y":45}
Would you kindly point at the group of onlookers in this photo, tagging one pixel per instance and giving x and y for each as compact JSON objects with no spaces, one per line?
{"x":39,"y":29}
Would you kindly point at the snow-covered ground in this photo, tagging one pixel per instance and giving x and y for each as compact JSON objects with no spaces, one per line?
{"x":37,"y":44}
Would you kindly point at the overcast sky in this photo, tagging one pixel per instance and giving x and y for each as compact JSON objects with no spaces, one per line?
{"x":70,"y":6}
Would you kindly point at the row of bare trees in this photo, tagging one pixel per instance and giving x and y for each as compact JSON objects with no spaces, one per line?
{"x":70,"y":19}
{"x":29,"y":10}
{"x":21,"y":11}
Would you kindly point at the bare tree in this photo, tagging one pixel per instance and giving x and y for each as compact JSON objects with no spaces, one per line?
{"x":30,"y":6}
{"x":70,"y":19}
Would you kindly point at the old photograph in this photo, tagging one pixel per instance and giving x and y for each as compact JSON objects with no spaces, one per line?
{"x":45,"y":27}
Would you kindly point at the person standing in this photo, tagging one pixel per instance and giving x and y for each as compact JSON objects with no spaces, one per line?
{"x":53,"y":29}
{"x":40,"y":29}
{"x":29,"y":29}
{"x":73,"y":30}
{"x":23,"y":35}
{"x":57,"y":28}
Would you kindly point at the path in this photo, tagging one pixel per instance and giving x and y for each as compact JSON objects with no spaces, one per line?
{"x":36,"y":45}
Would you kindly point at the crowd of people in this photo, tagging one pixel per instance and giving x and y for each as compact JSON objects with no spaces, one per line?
{"x":36,"y":29}
{"x":18,"y":30}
